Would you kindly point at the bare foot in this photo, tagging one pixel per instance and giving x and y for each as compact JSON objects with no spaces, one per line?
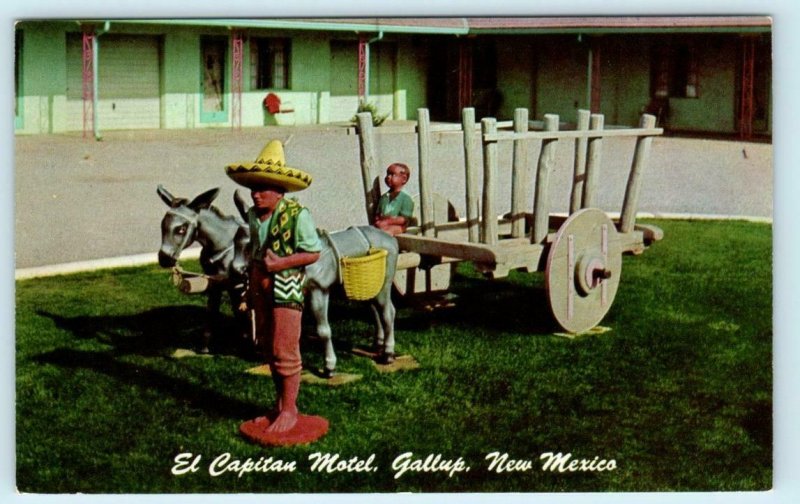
{"x":284,"y":421}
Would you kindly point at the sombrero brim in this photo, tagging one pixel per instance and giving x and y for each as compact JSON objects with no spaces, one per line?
{"x":253,"y":175}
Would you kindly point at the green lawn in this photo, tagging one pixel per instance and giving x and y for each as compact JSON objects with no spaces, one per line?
{"x":677,"y":393}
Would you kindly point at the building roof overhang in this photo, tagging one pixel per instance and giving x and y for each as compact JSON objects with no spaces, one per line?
{"x":491,"y":25}
{"x":487,"y":25}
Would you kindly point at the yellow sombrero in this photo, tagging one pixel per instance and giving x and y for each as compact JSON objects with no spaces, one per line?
{"x":269,"y":169}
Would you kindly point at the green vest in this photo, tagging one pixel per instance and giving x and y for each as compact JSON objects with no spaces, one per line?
{"x":282,"y":240}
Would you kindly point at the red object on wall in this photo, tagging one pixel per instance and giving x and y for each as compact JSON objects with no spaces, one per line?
{"x":272,"y":103}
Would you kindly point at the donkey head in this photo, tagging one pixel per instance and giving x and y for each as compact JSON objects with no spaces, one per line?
{"x":180,"y":223}
{"x":241,"y":240}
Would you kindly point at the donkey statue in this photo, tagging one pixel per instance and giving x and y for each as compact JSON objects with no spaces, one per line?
{"x":188,"y":221}
{"x":324,"y":274}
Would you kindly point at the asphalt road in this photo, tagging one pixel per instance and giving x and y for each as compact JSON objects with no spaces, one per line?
{"x":79,"y":199}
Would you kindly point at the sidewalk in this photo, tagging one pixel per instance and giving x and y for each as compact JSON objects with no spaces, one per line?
{"x":79,"y":200}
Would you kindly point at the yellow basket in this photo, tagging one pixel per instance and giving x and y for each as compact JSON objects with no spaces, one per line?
{"x":363,"y":276}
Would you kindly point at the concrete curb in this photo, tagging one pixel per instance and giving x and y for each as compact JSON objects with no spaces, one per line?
{"x":194,"y":253}
{"x":95,"y":264}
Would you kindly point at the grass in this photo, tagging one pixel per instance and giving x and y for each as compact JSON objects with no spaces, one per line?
{"x":678,"y":393}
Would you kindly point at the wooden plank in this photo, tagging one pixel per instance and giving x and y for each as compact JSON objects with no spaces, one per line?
{"x":651,"y":233}
{"x":632,"y":242}
{"x":489,"y":220}
{"x":407,"y":260}
{"x":471,"y":173}
{"x":641,"y":157}
{"x":427,"y":222}
{"x":445,"y":128}
{"x":455,"y":128}
{"x":458,"y":230}
{"x":446,"y":248}
{"x":370,"y":181}
{"x":519,"y":175}
{"x":572,"y":134}
{"x":542,"y":191}
{"x":501,"y":258}
{"x":579,"y":168}
{"x":520,"y":253}
{"x":594,"y":161}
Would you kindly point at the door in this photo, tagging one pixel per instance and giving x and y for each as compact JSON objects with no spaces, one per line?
{"x":213,"y":85}
{"x":762,"y":82}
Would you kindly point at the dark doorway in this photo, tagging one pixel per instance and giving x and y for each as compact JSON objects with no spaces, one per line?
{"x":463,"y":73}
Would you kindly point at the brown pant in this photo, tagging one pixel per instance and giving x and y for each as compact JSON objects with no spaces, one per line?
{"x":278,"y":327}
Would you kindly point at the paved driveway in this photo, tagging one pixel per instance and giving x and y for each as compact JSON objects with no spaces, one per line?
{"x":79,"y":199}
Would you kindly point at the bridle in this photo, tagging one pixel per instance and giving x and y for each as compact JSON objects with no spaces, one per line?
{"x":188,"y":237}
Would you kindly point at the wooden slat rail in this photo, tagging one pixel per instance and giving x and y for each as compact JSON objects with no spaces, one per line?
{"x":640,"y":158}
{"x":519,"y":175}
{"x":425,"y":191}
{"x":460,"y":128}
{"x":471,"y":163}
{"x":563,"y":135}
{"x":541,"y":202}
{"x":594,"y":161}
{"x":368,"y":164}
{"x":579,"y":167}
{"x":489,"y":219}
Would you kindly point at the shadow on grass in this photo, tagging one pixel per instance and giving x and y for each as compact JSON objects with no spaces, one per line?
{"x":484,"y":308}
{"x":197,"y":396}
{"x":156,"y":331}
{"x":494,"y":305}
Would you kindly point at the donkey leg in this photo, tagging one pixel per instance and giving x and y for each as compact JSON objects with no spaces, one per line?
{"x":379,"y":336}
{"x":242,"y":320}
{"x":319,"y":307}
{"x":213,"y":306}
{"x":383,"y":305}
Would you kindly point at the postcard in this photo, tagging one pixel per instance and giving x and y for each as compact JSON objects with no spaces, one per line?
{"x":389,"y":255}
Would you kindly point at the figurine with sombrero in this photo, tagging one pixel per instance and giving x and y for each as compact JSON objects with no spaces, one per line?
{"x":283,"y":241}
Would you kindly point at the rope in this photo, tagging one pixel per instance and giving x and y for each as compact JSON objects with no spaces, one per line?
{"x":219,"y":255}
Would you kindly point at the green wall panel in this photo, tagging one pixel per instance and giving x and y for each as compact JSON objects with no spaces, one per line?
{"x":412,"y":62}
{"x":516,"y":63}
{"x":44,"y":63}
{"x":310,"y":63}
{"x":561,"y":84}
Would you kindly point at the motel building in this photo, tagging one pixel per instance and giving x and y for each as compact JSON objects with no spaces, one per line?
{"x":698,"y":75}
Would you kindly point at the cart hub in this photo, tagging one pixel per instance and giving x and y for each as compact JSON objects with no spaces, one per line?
{"x":590,"y":272}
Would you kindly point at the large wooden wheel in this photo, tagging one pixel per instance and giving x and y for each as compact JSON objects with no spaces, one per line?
{"x":583,"y":270}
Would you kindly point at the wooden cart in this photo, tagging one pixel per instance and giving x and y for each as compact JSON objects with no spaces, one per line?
{"x":580,"y":253}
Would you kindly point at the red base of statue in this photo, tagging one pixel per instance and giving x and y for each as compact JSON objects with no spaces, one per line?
{"x":307,"y":430}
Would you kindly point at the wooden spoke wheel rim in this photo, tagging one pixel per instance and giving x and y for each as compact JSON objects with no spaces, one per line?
{"x":583,"y":270}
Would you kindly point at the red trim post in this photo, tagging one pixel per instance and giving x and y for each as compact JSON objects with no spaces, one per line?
{"x":88,"y":82}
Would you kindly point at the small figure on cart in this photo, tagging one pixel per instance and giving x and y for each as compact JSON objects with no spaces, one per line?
{"x":396,"y":207}
{"x":283,"y":242}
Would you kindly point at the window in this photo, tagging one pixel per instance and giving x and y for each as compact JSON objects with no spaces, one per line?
{"x":269,"y":63}
{"x":675,"y":72}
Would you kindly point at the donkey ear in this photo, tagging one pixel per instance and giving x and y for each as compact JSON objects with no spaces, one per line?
{"x":240,"y":203}
{"x":166,"y":197}
{"x":204,"y":200}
